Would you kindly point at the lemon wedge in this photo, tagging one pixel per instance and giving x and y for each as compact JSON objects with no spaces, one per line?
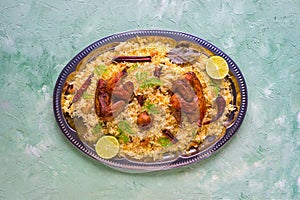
{"x":107,"y":147}
{"x":217,"y":67}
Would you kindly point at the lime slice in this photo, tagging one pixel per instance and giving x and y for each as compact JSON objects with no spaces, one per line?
{"x":107,"y":147}
{"x":217,"y":67}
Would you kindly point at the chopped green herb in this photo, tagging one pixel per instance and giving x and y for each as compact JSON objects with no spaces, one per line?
{"x":86,"y":95}
{"x":97,"y":129}
{"x":140,"y":76}
{"x":194,"y":133}
{"x":151,"y":108}
{"x":216,"y":86}
{"x":146,"y":82}
{"x":124,"y":126}
{"x":217,"y":89}
{"x":165,"y":142}
{"x":100,"y":70}
{"x":151,"y":83}
{"x":123,"y":137}
{"x":133,"y":67}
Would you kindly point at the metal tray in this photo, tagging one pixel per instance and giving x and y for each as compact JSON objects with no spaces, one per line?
{"x":213,"y":144}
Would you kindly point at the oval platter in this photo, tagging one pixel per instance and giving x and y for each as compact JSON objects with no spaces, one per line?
{"x":209,"y":143}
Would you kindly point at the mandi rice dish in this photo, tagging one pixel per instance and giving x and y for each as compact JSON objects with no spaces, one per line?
{"x":152,"y":94}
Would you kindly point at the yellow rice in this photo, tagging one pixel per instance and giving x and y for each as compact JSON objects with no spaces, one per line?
{"x":187,"y":133}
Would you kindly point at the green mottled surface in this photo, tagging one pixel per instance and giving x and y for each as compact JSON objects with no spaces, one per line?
{"x":38,"y":38}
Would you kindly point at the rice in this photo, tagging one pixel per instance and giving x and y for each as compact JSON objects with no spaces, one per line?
{"x":144,"y":144}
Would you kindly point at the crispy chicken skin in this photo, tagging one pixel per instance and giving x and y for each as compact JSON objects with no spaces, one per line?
{"x":195,"y":83}
{"x":188,"y":98}
{"x":111,"y":96}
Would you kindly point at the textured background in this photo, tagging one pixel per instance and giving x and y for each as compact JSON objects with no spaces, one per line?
{"x":38,"y":38}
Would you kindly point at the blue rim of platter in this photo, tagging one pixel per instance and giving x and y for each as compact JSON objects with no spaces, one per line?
{"x":127,"y":165}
